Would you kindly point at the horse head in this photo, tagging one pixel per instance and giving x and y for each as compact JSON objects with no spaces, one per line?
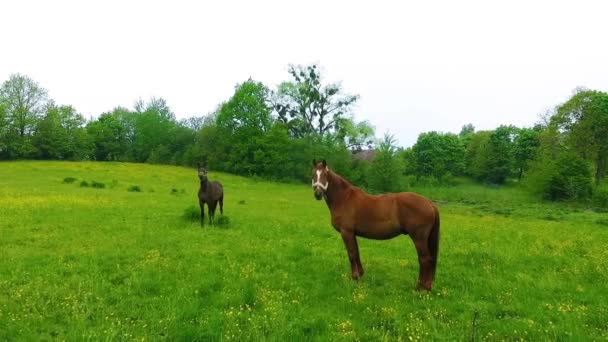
{"x":320,"y":178}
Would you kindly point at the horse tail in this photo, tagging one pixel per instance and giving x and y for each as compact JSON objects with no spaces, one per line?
{"x":433,"y":241}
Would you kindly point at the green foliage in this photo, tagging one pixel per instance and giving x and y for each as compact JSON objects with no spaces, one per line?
{"x":566,"y":178}
{"x":490,"y":155}
{"x":60,"y":134}
{"x":584,"y":118}
{"x":69,"y":180}
{"x":355,"y":135}
{"x":22,"y":103}
{"x":113,"y":135}
{"x":241,"y":123}
{"x":154,"y":123}
{"x":386,"y":170}
{"x":600,"y":196}
{"x":526,"y":145}
{"x":437,"y":154}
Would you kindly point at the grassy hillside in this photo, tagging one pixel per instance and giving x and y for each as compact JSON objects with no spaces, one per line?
{"x":107,"y":263}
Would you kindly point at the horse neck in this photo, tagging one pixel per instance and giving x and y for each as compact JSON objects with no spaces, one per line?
{"x":337,"y":189}
{"x":205,"y":185}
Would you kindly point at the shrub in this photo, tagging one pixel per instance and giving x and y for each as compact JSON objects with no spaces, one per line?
{"x":69,"y":180}
{"x":192,"y":214}
{"x":98,"y":185}
{"x":84,"y":184}
{"x":566,"y":178}
{"x":221,"y":220}
{"x":134,"y":188}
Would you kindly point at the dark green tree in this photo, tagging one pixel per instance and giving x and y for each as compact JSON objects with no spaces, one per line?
{"x":584,"y":120}
{"x":490,"y":154}
{"x":526,"y":145}
{"x":60,"y":134}
{"x":112,"y":135}
{"x":437,"y":154}
{"x":153,"y":124}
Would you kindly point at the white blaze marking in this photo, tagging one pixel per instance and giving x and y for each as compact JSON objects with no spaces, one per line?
{"x":318,"y":182}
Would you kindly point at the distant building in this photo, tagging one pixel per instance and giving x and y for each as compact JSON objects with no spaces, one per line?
{"x":367,"y":155}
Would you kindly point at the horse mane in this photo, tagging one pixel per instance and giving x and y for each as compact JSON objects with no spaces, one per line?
{"x":205,"y":185}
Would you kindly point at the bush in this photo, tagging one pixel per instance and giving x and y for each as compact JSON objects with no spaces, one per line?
{"x":192,"y":214}
{"x":97,"y":185}
{"x":567,"y":178}
{"x":134,"y":188}
{"x":69,"y":180}
{"x":84,"y":184}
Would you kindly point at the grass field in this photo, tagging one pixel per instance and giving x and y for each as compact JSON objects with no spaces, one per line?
{"x":92,"y":263}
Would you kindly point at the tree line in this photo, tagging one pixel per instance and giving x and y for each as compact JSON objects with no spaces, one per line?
{"x":274,"y":133}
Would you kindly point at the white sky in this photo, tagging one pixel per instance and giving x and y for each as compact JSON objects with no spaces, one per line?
{"x":418,"y":65}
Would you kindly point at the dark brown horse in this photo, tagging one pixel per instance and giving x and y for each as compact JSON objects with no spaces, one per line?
{"x":356,"y":213}
{"x":210,"y":192}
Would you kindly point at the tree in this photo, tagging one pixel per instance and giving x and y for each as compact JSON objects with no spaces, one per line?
{"x":153,"y":122}
{"x":490,"y":154}
{"x":3,"y":130}
{"x":247,"y":111}
{"x":308,"y":107}
{"x":113,"y":135}
{"x":241,"y":121}
{"x":386,"y":170}
{"x":60,"y":134}
{"x":584,"y":119}
{"x":24,"y":102}
{"x":437,"y":154}
{"x":527,"y":142}
{"x":355,"y":135}
{"x":466,"y":130}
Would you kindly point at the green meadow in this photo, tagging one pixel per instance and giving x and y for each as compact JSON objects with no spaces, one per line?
{"x":124,"y":258}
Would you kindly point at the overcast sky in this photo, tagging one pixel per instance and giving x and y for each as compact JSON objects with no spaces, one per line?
{"x":417,"y":65}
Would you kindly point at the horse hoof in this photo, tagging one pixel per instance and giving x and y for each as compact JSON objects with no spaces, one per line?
{"x":421,"y":287}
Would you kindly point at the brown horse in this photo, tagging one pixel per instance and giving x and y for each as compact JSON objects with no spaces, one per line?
{"x":210,"y":192}
{"x":356,"y":213}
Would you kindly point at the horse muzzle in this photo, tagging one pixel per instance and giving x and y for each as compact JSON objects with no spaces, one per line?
{"x":318,"y":194}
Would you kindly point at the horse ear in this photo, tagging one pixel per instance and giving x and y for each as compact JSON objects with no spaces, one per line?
{"x":324,"y":163}
{"x":314,"y":162}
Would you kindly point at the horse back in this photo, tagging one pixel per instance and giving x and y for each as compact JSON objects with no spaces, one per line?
{"x":217,"y":189}
{"x":404,"y":209}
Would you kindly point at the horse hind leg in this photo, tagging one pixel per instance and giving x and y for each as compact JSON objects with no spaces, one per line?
{"x":222,"y":205}
{"x":425,"y":260}
{"x":212,"y":211}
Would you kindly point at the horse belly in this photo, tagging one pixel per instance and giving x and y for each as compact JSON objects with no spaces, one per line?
{"x":379,"y":231}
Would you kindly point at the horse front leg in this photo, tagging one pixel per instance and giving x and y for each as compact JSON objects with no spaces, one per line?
{"x":350,"y":242}
{"x":202,"y":204}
